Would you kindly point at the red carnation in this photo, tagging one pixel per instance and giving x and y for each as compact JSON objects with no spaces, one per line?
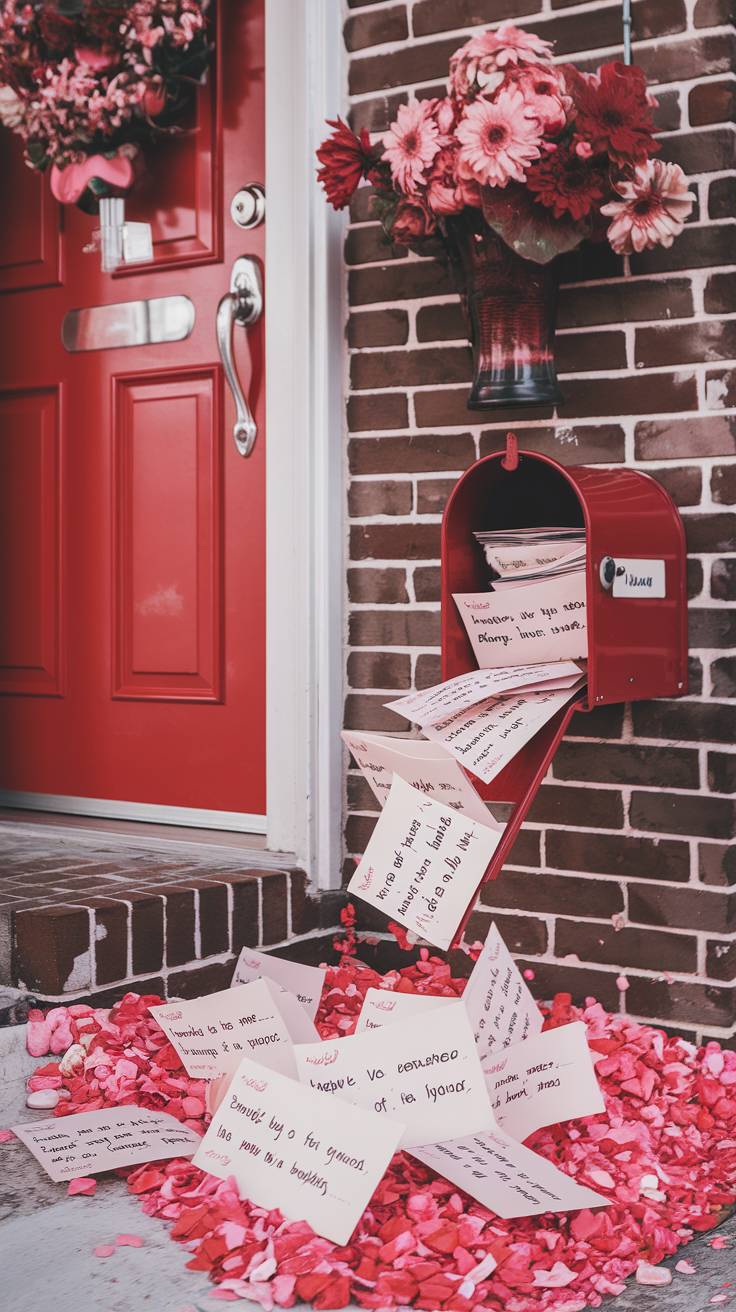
{"x":614,"y":115}
{"x":566,"y":184}
{"x":345,"y":159}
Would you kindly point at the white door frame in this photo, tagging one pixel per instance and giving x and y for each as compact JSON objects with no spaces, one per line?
{"x":305,"y":302}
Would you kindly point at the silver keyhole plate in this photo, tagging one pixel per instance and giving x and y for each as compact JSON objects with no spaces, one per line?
{"x":248,"y":206}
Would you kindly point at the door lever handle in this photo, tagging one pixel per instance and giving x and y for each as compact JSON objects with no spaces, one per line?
{"x":243,"y":304}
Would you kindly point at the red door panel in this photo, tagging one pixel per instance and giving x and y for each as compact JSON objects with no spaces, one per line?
{"x":132,"y":534}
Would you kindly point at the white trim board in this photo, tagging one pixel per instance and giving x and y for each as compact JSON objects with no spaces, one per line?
{"x":151,"y":813}
{"x":305,"y":449}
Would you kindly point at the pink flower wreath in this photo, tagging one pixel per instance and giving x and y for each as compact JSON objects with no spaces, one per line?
{"x":87,"y":84}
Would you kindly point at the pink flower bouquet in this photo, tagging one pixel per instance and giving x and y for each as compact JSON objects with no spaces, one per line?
{"x":98,"y":83}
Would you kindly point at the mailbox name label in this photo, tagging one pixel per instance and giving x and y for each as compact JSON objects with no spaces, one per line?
{"x":639,"y":578}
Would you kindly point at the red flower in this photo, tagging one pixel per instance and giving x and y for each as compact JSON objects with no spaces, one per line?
{"x":614,"y":114}
{"x":57,"y":30}
{"x":412,"y":221}
{"x":345,"y":159}
{"x":566,"y":184}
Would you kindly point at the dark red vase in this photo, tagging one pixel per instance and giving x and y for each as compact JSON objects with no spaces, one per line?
{"x":510,"y":305}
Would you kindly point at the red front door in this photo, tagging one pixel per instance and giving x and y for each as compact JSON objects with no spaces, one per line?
{"x":132,"y":532}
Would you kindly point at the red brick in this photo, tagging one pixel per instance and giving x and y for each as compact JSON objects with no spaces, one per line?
{"x":723,"y":584}
{"x":713,"y":627}
{"x":682,"y":813}
{"x":304,"y":906}
{"x":275,"y":907}
{"x":629,"y":396}
{"x":554,"y":894}
{"x":376,"y":27}
{"x":720,"y":959}
{"x":428,"y":671}
{"x":625,"y":302}
{"x":603,"y":722}
{"x":626,"y":947}
{"x":680,"y":1001}
{"x":709,"y":151}
{"x":379,"y":669}
{"x":377,"y":585}
{"x":713,"y":13}
{"x":360,"y":795}
{"x":684,"y":483}
{"x":580,"y":981}
{"x":521,"y":934}
{"x":432,"y":16}
{"x":415,"y":63}
{"x":214,"y":919}
{"x":245,"y":912}
{"x":627,"y":763}
{"x":618,"y":854}
{"x":710,"y":532}
{"x":394,"y":628}
{"x":722,"y":198}
{"x":695,"y":676}
{"x":686,"y":908}
{"x":427,"y":582}
{"x":386,"y":455}
{"x":712,"y":102}
{"x":357,"y":833}
{"x":378,"y":328}
{"x":723,"y":677}
{"x":682,"y":61}
{"x":370,"y":245}
{"x":110,"y":937}
{"x":717,"y":864}
{"x":369,"y":713}
{"x":720,"y":388}
{"x":410,"y":368}
{"x":723,"y":484}
{"x":49,"y":947}
{"x":682,"y":343}
{"x":597,"y":808}
{"x":147,"y":932}
{"x":722,"y":778}
{"x":673,"y":439}
{"x":395,"y":542}
{"x":575,"y":444}
{"x":198,"y":981}
{"x":380,"y":497}
{"x":401,"y":282}
{"x":695,"y":248}
{"x":685,"y":721}
{"x":385,"y":410}
{"x":432,"y":495}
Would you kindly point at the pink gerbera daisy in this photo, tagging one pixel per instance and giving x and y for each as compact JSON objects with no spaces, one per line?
{"x":479,"y":67}
{"x":543,"y":89}
{"x":519,"y":47}
{"x":498,"y":141}
{"x":653,"y":208}
{"x":410,"y":145}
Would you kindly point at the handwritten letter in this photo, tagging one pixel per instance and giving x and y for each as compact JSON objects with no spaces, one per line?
{"x":88,"y":1142}
{"x":506,"y":1177}
{"x":385,"y":1006}
{"x":423,"y":1070}
{"x":305,"y":982}
{"x":539,"y":622}
{"x":289,"y":1148}
{"x":423,"y":864}
{"x":549,"y":1078}
{"x":212,"y":1034}
{"x":485,"y":738}
{"x":466,"y":690}
{"x":423,"y":765}
{"x":501,"y":1009}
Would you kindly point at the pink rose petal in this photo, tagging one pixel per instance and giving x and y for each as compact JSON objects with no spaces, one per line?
{"x":129,"y":1241}
{"x":82,"y":1184}
{"x":684,"y":1267}
{"x":646,"y":1274}
{"x":6,"y":1136}
{"x":104,"y":1250}
{"x":556,"y":1278}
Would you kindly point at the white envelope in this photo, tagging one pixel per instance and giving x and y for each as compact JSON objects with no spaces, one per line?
{"x":315,"y":1159}
{"x":304,"y":982}
{"x":423,"y":1070}
{"x":425,"y":766}
{"x":103,"y":1140}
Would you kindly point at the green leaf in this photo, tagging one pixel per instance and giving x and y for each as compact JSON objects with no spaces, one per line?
{"x":528,"y":228}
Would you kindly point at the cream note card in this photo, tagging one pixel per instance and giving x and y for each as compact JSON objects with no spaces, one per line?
{"x":540,"y":622}
{"x":386,"y":1006}
{"x":549,"y":1078}
{"x":485,"y":738}
{"x":508,"y":561}
{"x":423,"y":1071}
{"x":423,"y":864}
{"x":304,"y":982}
{"x":466,"y":690}
{"x":212,"y":1034}
{"x":87,"y":1142}
{"x":423,"y":765}
{"x":506,"y":1177}
{"x":313,"y":1158}
{"x":501,"y":1009}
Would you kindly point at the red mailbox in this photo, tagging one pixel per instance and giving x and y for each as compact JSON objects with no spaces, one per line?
{"x":637,"y":645}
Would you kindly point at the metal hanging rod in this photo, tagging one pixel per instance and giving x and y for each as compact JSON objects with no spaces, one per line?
{"x":627,"y":30}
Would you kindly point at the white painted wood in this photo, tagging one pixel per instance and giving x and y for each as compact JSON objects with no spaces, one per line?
{"x":304,"y":389}
{"x":153,"y":814}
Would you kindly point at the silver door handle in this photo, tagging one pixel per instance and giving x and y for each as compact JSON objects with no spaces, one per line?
{"x":243,"y":304}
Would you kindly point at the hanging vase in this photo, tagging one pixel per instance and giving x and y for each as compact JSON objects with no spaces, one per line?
{"x":510,"y":306}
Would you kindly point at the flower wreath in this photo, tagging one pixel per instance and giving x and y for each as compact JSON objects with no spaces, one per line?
{"x":87,"y":83}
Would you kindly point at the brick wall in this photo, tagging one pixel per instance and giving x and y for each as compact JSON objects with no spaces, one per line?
{"x":625,"y":864}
